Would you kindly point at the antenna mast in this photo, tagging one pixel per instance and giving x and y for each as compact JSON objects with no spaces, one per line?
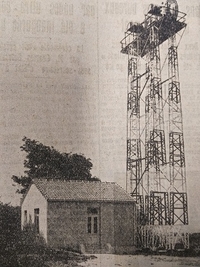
{"x":155,"y":147}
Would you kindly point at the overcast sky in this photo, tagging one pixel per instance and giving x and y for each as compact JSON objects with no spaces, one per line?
{"x":64,"y":81}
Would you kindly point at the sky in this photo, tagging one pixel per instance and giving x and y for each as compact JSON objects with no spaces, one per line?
{"x":64,"y":81}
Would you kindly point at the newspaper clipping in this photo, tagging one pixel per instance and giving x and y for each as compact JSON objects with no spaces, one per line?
{"x":100,"y":133}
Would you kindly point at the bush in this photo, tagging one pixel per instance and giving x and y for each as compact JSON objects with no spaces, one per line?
{"x":194,"y":249}
{"x":9,"y":259}
{"x":9,"y":234}
{"x":9,"y":226}
{"x":31,"y":248}
{"x":30,"y":241}
{"x":19,"y":248}
{"x":31,"y":260}
{"x":24,"y":248}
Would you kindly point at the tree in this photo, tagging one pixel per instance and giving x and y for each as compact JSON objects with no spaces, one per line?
{"x":47,"y":162}
{"x":10,"y":229}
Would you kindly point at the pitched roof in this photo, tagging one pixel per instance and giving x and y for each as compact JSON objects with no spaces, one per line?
{"x":81,"y":190}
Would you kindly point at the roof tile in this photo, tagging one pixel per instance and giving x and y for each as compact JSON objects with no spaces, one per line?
{"x":56,"y":189}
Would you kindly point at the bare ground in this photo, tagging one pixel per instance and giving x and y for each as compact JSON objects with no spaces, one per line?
{"x":108,"y":260}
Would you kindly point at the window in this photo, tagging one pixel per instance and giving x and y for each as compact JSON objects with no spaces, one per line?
{"x":25,"y":217}
{"x":89,"y":225}
{"x":36,"y":219}
{"x":95,"y":225}
{"x":92,"y":221}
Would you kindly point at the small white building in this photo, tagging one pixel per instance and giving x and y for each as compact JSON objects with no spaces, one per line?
{"x":98,"y":216}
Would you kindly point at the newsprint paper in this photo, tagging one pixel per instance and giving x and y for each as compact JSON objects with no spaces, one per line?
{"x":64,"y":80}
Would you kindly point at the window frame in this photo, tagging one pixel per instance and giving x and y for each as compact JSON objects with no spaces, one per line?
{"x":92,"y":221}
{"x":25,"y":217}
{"x":37,"y":220}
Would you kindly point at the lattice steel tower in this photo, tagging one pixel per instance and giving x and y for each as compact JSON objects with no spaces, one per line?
{"x":155,"y":147}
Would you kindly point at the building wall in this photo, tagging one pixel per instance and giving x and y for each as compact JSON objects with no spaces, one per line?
{"x":117,"y":230}
{"x":67,"y":225}
{"x":124,"y":222}
{"x":35,"y":200}
{"x":107,"y":225}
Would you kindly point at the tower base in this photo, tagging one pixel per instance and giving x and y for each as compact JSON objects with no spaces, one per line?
{"x":164,"y":238}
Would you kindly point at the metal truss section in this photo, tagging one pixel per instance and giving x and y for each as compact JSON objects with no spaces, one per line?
{"x":176,"y":140}
{"x":156,"y":176}
{"x":132,"y":66}
{"x":174,"y":98}
{"x":156,"y":151}
{"x":140,"y":219}
{"x":133,"y":128}
{"x":147,"y":104}
{"x":155,"y":88}
{"x":133,"y":103}
{"x":155,"y":147}
{"x":139,"y":199}
{"x":175,"y":111}
{"x":173,"y":57}
{"x":133,"y":163}
{"x":159,"y":208}
{"x":154,"y":105}
{"x":178,"y":208}
{"x":176,"y":149}
{"x":174,"y":95}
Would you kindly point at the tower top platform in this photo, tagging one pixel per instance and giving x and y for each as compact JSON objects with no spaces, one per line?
{"x":137,"y":42}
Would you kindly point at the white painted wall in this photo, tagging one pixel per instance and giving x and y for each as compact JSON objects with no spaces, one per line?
{"x":35,"y":200}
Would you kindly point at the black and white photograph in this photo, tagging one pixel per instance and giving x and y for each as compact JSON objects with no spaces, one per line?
{"x":100,"y":133}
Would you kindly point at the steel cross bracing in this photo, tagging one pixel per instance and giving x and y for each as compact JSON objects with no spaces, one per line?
{"x":178,"y":195}
{"x":155,"y":147}
{"x":133,"y":138}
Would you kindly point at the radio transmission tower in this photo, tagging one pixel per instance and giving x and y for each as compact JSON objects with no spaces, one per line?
{"x":155,"y":146}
